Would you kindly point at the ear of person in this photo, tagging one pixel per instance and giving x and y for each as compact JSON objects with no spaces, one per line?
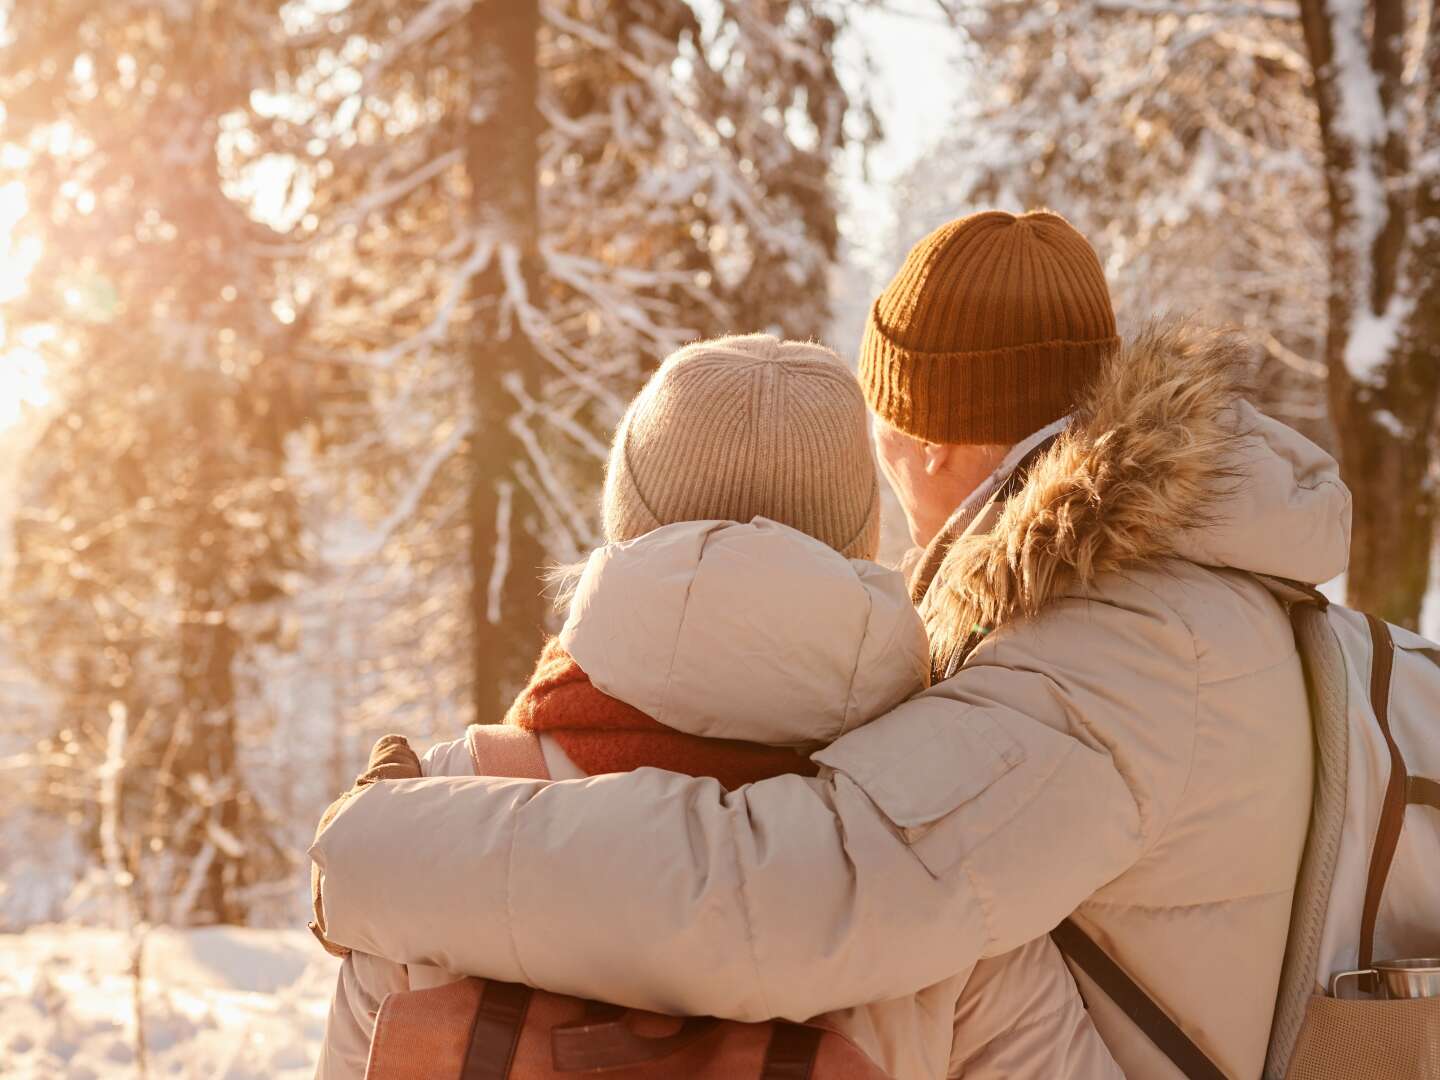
{"x":937,"y":458}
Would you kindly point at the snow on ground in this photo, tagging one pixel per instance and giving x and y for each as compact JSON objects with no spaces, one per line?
{"x":219,"y":1003}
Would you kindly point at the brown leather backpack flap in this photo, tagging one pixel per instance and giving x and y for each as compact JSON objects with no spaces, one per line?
{"x":476,"y":1029}
{"x":423,"y":1034}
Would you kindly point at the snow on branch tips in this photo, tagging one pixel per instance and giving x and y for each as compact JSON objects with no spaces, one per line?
{"x":557,"y":419}
{"x":435,"y":330}
{"x":434,"y":18}
{"x":1359,"y":121}
{"x":393,"y":192}
{"x":1374,"y":337}
{"x":1281,"y":12}
{"x":551,"y":485}
{"x":500,"y":565}
{"x":362,"y":547}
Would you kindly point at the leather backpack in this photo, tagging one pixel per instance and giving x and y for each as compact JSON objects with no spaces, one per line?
{"x":481,"y":1029}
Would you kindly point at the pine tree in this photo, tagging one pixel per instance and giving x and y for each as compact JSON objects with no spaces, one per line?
{"x":156,"y":529}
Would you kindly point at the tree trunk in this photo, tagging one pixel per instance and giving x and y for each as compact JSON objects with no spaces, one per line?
{"x":205,"y":772}
{"x":1394,"y":516}
{"x":1387,"y":437}
{"x":1382,"y":387}
{"x":506,"y":553}
{"x":208,"y":758}
{"x":1415,"y":381}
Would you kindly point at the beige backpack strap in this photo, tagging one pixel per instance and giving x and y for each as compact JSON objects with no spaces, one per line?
{"x":1327,"y":684}
{"x":506,"y":750}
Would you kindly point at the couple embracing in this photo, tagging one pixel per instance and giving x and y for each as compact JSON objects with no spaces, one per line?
{"x":874,"y":797}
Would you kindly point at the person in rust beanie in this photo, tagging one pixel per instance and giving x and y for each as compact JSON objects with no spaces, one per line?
{"x":993,"y":327}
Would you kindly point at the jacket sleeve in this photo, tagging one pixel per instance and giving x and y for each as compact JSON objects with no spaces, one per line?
{"x":362,"y":984}
{"x":961,"y":825}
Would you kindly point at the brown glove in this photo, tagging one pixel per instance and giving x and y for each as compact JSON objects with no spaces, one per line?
{"x":390,"y":759}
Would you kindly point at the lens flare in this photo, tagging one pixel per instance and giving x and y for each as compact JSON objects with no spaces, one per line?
{"x":22,"y":369}
{"x":22,"y":384}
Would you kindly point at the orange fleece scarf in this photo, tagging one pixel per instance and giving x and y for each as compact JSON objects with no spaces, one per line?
{"x":601,"y":734}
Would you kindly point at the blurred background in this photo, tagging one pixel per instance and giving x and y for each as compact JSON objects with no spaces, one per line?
{"x":315,"y":317}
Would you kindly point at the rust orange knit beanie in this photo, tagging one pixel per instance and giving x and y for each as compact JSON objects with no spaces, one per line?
{"x":990,"y":330}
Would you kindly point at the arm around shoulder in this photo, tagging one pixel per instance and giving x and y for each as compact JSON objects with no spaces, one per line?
{"x":955,"y":827}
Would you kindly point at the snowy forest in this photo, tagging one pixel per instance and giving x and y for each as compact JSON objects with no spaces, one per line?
{"x":316,"y":317}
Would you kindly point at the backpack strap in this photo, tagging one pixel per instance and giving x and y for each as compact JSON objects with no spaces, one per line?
{"x":607,"y":1040}
{"x":1401,"y":789}
{"x":1291,"y":592}
{"x":1392,"y":809}
{"x":1169,"y":1038}
{"x":495,"y":1034}
{"x":1327,"y":684}
{"x":1422,"y":791}
{"x":792,"y":1051}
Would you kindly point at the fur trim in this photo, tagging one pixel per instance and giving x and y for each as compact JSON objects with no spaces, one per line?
{"x":1143,"y":461}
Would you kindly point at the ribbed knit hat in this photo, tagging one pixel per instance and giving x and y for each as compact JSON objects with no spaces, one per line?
{"x":990,"y":330}
{"x":744,"y":427}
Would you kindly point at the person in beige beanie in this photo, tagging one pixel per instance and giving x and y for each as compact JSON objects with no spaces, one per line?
{"x":733,"y":622}
{"x":744,"y":427}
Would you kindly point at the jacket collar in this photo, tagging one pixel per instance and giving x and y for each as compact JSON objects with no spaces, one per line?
{"x":996,"y":489}
{"x":1161,"y":459}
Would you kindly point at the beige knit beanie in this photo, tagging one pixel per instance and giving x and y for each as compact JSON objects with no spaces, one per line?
{"x":745,"y":427}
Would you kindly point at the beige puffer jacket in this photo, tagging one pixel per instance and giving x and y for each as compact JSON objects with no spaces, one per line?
{"x":1130,"y":744}
{"x":760,"y":632}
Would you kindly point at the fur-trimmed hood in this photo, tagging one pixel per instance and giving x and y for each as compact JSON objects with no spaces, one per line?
{"x":1163,"y":458}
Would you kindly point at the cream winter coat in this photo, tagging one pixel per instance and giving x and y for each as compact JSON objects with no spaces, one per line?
{"x":759,"y":632}
{"x":1130,"y":743}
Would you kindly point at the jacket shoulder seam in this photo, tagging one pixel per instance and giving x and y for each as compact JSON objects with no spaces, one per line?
{"x":663,"y":707}
{"x":1263,"y":669}
{"x":981,"y":901}
{"x":747,"y":914}
{"x":1023,"y":1021}
{"x":1132,"y":784}
{"x":845,"y":712}
{"x":510,"y":893}
{"x":1075,"y":747}
{"x":1239,"y":898}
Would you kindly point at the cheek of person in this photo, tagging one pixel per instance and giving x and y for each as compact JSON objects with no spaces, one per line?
{"x":931,"y":479}
{"x":902,"y":463}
